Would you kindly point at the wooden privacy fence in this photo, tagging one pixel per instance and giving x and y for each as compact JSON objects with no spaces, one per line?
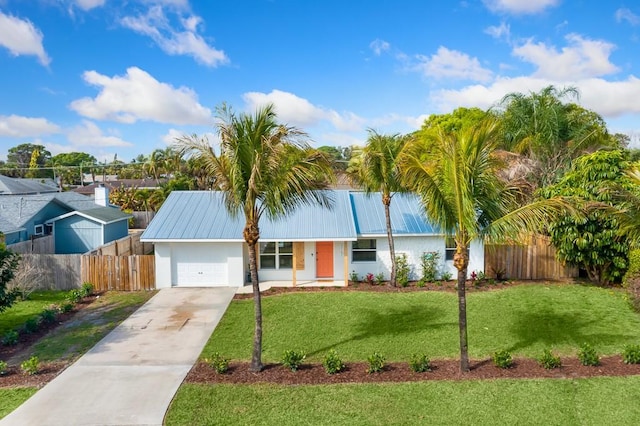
{"x":536,"y":261}
{"x":119,"y":273}
{"x":48,"y":272}
{"x":124,"y":247}
{"x":42,"y":245}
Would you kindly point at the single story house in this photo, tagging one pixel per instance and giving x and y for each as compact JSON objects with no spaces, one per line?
{"x":78,"y":223}
{"x":197,"y":242}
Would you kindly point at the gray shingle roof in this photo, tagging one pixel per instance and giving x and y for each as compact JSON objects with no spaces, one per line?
{"x":104,"y":215}
{"x":14,"y":186}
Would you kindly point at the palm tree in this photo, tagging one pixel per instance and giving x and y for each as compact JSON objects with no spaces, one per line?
{"x":377,"y":170}
{"x":462,"y":194}
{"x":263,"y":168}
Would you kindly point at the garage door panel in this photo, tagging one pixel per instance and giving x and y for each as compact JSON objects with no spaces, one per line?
{"x":199,"y":267}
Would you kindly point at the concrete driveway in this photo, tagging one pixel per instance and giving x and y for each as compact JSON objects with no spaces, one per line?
{"x":131,"y":376}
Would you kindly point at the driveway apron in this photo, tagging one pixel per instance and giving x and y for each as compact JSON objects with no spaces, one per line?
{"x":131,"y":376}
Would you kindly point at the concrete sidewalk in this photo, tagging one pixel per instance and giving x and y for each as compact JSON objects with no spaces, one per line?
{"x":131,"y":376}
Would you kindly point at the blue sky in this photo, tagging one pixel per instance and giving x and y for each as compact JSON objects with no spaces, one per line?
{"x":126,"y":77}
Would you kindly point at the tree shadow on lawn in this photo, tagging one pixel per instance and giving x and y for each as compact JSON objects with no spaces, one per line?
{"x":552,"y":329}
{"x":403,"y":320}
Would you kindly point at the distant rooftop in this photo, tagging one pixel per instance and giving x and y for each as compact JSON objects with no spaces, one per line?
{"x":18,"y":186}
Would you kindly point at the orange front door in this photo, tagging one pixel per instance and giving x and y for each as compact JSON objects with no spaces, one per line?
{"x":324,"y":259}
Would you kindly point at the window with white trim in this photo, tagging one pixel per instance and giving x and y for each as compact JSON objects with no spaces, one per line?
{"x":38,"y":230}
{"x":276,"y":255}
{"x":363,"y":250}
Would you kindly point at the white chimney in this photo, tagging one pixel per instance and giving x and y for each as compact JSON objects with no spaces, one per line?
{"x":101,"y":196}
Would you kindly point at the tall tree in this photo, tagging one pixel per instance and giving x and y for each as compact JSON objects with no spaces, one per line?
{"x":68,"y":166}
{"x":377,"y":170}
{"x":461,"y":193}
{"x":22,"y":158}
{"x":551,"y":130}
{"x":263,"y":168}
{"x":8,"y":265}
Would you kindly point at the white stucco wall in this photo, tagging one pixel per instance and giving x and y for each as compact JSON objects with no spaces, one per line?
{"x":309,"y":271}
{"x":414,"y":247}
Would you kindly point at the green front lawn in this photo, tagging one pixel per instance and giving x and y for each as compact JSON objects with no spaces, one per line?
{"x":597,"y":401}
{"x":21,"y":311}
{"x":10,"y":399}
{"x":523,"y":319}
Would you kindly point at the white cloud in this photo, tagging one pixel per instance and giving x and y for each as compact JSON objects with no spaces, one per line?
{"x":582,"y":58}
{"x":608,"y":98}
{"x":89,"y":134}
{"x":138,"y":96}
{"x":379,"y":46}
{"x":297,"y":111}
{"x":176,"y":42}
{"x":21,"y":37}
{"x":519,"y":7}
{"x":624,"y":14}
{"x":452,"y":64}
{"x":89,"y":4}
{"x":19,"y":127}
{"x":502,"y":31}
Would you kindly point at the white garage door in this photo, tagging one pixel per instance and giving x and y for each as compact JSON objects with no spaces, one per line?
{"x":199,"y":266}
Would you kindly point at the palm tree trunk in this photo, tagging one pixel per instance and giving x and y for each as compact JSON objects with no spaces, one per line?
{"x":386,"y":200}
{"x":256,"y":357}
{"x":461,"y":262}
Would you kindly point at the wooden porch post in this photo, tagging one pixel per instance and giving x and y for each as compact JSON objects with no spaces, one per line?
{"x":346,"y":263}
{"x":295,"y":264}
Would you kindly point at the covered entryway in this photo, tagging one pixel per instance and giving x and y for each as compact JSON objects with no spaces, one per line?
{"x":199,"y":266}
{"x":324,"y":259}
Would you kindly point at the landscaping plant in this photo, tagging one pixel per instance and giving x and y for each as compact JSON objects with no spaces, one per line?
{"x":549,"y":361}
{"x":218,"y":363}
{"x":10,"y":338}
{"x":376,"y":363}
{"x":380,"y":278}
{"x":30,"y":366}
{"x":419,"y":363}
{"x":332,"y":362}
{"x":429,"y":262}
{"x":588,"y":355}
{"x":403,"y":270}
{"x":3,"y":367}
{"x":631,"y":354}
{"x":47,"y":316}
{"x":31,"y":325}
{"x":369,"y":278}
{"x":86,"y":289}
{"x":293,"y":359}
{"x":502,"y":359}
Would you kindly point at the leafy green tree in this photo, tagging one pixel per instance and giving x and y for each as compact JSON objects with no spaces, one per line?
{"x":68,"y":166}
{"x":338,"y":155}
{"x":263,"y":168}
{"x":22,"y":157}
{"x":8,"y":266}
{"x":552,"y":131}
{"x":593,"y":242}
{"x":456,"y":177}
{"x":378,"y":170}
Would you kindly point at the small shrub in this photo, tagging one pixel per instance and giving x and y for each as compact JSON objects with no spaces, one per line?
{"x":369,"y":278}
{"x":419,"y":363}
{"x":10,"y":338}
{"x":86,"y":289}
{"x":429,"y":262}
{"x":218,"y":363}
{"x":502,"y":359}
{"x":293,"y":359}
{"x":65,"y":307}
{"x":3,"y":367}
{"x":549,"y":361}
{"x":380,"y":278}
{"x":587,"y":355}
{"x":353,"y":277}
{"x":31,"y":325}
{"x":631,"y":354}
{"x":332,"y":363}
{"x":446,"y":276}
{"x":402,"y":270}
{"x":421,"y":283}
{"x":47,"y":316}
{"x":75,"y":296}
{"x":376,"y":363}
{"x":30,"y":366}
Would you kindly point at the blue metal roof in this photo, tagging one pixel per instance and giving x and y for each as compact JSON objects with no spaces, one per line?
{"x":202,"y":215}
{"x":407,"y":215}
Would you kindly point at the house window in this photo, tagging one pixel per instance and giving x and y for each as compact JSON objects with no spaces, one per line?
{"x":38,"y":230}
{"x":363,"y":251}
{"x":450,"y":248}
{"x":276,"y":255}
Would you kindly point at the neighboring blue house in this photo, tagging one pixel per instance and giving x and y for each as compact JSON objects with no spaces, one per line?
{"x":197,"y":243}
{"x":29,"y":209}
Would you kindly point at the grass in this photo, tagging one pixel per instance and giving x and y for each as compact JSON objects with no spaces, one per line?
{"x":10,"y":399}
{"x":522,"y":319}
{"x":74,"y":338}
{"x":563,"y":402}
{"x":21,"y":311}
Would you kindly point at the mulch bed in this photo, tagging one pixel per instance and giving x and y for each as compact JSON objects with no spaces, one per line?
{"x":356,"y":372}
{"x":13,"y":377}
